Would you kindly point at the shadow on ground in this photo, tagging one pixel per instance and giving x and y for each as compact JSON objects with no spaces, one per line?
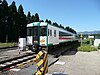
{"x":70,"y":52}
{"x":64,"y":50}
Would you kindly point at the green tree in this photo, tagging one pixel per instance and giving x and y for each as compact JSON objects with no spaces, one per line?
{"x":22,"y":22}
{"x":13,"y":22}
{"x":46,"y":20}
{"x":61,"y":26}
{"x":33,"y":18}
{"x":55,"y":24}
{"x":1,"y":20}
{"x":5,"y":23}
{"x":29,"y":18}
{"x":41,"y":21}
{"x":36,"y":18}
{"x":49,"y":21}
{"x":70,"y":30}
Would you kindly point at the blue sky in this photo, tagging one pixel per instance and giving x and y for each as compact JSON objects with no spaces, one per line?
{"x":81,"y":15}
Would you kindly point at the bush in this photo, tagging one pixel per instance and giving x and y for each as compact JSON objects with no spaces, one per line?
{"x":87,"y":41}
{"x":99,"y":46}
{"x":86,"y":48}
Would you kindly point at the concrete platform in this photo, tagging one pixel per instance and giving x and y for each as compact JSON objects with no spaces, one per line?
{"x":81,"y":63}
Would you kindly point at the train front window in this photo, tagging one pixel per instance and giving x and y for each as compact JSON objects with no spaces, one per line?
{"x":29,"y":31}
{"x":35,"y":31}
{"x":43,"y":31}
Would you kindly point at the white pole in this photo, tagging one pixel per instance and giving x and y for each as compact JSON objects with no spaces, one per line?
{"x":18,"y":46}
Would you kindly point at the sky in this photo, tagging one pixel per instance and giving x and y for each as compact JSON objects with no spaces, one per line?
{"x":81,"y":15}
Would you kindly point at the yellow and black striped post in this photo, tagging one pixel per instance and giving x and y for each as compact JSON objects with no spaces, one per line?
{"x":42,"y":63}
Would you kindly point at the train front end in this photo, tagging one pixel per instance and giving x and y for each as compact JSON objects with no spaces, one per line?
{"x":36,"y":36}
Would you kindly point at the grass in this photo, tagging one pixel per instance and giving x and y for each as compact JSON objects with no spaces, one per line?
{"x":11,"y":44}
{"x":99,"y":46}
{"x":87,"y":48}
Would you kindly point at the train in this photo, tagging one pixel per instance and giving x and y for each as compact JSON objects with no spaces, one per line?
{"x":43,"y":34}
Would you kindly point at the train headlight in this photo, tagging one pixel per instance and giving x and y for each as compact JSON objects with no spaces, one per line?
{"x":35,"y":41}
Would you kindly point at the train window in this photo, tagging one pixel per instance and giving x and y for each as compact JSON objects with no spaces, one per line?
{"x":54,"y":33}
{"x":64,"y":34}
{"x":35,"y":31}
{"x":50,"y":32}
{"x":29,"y":31}
{"x":43,"y":31}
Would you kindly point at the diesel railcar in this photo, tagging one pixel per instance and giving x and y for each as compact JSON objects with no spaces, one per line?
{"x":43,"y":34}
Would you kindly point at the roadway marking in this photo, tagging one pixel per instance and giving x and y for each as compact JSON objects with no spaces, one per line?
{"x":60,"y":63}
{"x":15,"y":69}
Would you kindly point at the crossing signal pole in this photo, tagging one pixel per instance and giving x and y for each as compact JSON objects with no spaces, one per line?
{"x":81,"y":36}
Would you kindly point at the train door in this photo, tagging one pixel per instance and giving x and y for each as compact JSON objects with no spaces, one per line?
{"x":33,"y":35}
{"x":36,"y":35}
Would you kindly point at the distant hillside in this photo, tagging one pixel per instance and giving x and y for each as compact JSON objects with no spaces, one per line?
{"x":90,"y":32}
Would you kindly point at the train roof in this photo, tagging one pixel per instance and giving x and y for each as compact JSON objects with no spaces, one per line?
{"x":45,"y":24}
{"x":37,"y":24}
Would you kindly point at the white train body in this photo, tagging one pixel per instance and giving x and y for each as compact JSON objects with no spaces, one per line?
{"x":44,"y":34}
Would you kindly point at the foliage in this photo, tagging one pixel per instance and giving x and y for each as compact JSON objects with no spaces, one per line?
{"x":13,"y":24}
{"x":87,"y":48}
{"x":87,"y":41}
{"x":22,"y":22}
{"x":70,"y":29}
{"x":28,"y":18}
{"x":13,"y":21}
{"x":4,"y":20}
{"x":48,"y":21}
{"x":99,"y":46}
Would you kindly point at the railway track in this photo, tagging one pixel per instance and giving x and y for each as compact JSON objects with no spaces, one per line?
{"x":16,"y":61}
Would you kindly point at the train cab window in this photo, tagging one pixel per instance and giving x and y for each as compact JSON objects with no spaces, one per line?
{"x":43,"y":31}
{"x":35,"y":31}
{"x":50,"y":32}
{"x":54,"y":33}
{"x":29,"y":31}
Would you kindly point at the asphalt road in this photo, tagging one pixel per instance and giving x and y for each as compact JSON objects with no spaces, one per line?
{"x":80,"y":63}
